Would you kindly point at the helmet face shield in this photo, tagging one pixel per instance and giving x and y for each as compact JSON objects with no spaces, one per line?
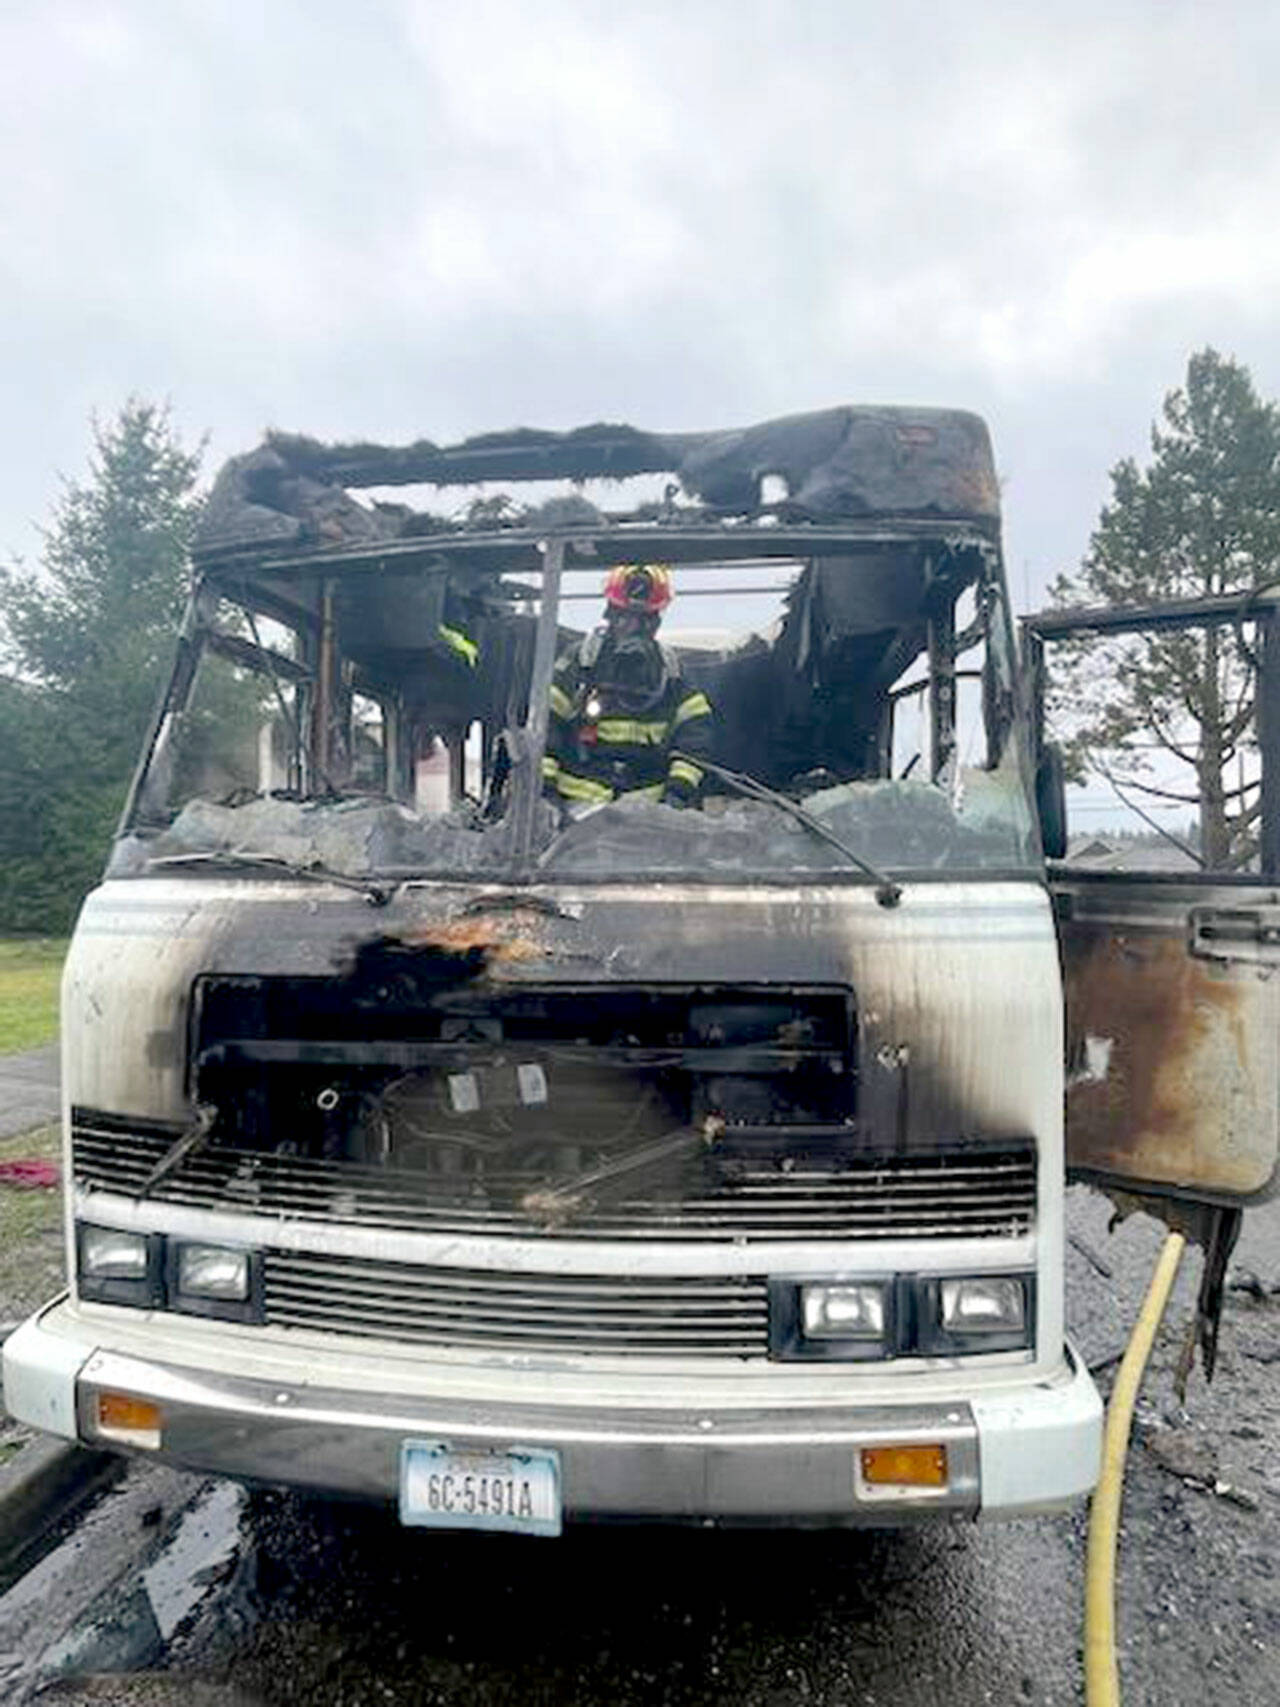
{"x":631,"y":673}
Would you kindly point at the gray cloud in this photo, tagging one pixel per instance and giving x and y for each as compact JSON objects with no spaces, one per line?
{"x":431,"y":217}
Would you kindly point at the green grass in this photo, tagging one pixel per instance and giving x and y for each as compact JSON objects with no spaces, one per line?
{"x":31,"y":1261}
{"x":30,"y":968}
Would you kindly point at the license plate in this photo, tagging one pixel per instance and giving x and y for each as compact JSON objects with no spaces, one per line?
{"x":446,"y":1487}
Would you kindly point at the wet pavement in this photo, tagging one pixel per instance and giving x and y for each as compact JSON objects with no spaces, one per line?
{"x":177,"y":1589}
{"x":330,"y":1604}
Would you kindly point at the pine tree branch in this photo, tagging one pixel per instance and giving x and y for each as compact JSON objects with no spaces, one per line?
{"x":1166,"y":740}
{"x":1240,"y":719}
{"x":1132,"y":806}
{"x":1150,"y":788}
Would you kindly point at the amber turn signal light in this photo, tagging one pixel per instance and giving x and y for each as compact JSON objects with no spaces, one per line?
{"x":123,"y":1417}
{"x":905,"y":1466}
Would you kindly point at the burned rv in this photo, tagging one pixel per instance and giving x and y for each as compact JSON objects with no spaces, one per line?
{"x":437,"y":1139}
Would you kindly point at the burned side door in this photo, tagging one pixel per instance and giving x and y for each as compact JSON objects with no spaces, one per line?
{"x":1171,"y":963}
{"x":1172,"y":989}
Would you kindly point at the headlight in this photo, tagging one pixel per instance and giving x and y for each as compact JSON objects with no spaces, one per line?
{"x":843,"y":1312}
{"x":106,"y":1254}
{"x":977,"y":1312}
{"x":977,"y":1306}
{"x":215,"y":1280}
{"x":842,"y":1320}
{"x":212,"y":1271}
{"x":114,"y":1267}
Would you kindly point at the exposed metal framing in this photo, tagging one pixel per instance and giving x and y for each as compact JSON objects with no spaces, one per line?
{"x":528,"y":780}
{"x":603,"y":543}
{"x":322,"y":705}
{"x":1033,"y":645}
{"x":1267,"y":714}
{"x":238,"y":650}
{"x":382,"y":1052}
{"x":173,"y":696}
{"x":942,"y":684}
{"x":1245,"y":606}
{"x":456,"y":746}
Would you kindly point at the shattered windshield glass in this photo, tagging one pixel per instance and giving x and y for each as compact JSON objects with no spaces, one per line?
{"x":723,"y":715}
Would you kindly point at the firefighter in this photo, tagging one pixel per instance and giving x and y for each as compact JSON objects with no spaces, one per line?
{"x":620,"y":708}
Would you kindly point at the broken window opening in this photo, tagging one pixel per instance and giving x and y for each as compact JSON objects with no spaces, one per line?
{"x":839,"y":635}
{"x":1160,"y":721}
{"x":871,"y":684}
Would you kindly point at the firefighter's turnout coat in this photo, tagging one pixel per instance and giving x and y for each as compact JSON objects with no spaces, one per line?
{"x":597,"y":750}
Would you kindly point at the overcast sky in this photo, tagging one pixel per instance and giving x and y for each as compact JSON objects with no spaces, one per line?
{"x":410,"y":218}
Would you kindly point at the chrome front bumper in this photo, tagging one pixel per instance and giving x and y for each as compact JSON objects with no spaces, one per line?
{"x":1026,"y":1445}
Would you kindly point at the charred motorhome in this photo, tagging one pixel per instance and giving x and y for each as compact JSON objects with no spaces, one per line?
{"x":435,"y":1139}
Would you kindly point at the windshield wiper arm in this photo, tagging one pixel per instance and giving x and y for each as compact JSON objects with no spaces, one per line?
{"x":234,"y":859}
{"x":888,"y":893}
{"x":188,"y":1142}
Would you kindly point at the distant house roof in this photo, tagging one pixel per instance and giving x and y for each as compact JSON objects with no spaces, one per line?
{"x":1128,"y":855}
{"x":1090,"y":847}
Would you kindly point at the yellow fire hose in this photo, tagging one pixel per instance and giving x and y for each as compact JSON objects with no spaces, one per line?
{"x":1101,"y":1675}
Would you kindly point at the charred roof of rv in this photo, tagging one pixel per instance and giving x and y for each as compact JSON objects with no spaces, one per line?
{"x":851,"y":465}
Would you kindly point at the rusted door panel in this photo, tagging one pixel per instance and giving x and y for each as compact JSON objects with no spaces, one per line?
{"x":1173,"y":1076}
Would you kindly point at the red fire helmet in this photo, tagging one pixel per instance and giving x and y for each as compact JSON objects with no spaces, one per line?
{"x":639,"y":586}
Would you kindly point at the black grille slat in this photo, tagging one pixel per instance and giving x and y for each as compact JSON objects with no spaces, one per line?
{"x":586,"y":1313}
{"x":428,"y":1294}
{"x":988,"y":1194}
{"x":558,"y":1289}
{"x":358,"y":1327}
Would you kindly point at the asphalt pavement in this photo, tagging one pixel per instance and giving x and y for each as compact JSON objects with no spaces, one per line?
{"x":29,"y":1093}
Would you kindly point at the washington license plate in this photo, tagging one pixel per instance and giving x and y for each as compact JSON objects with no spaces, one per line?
{"x":446,"y":1487}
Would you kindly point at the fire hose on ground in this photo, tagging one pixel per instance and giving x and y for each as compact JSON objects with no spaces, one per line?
{"x":1101,"y":1674}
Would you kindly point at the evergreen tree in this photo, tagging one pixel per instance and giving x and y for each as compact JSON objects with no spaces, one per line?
{"x":1171,"y":716}
{"x":87,"y":636}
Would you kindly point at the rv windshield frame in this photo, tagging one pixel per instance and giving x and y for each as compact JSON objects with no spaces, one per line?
{"x":518,"y":838}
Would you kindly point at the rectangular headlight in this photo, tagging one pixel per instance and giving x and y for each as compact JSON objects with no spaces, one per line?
{"x":975,"y":1312}
{"x":981,"y":1303}
{"x":846,"y":1312}
{"x":115,"y":1267}
{"x":107,"y":1254}
{"x":212,"y":1271}
{"x":843,"y":1321}
{"x":215,"y":1280}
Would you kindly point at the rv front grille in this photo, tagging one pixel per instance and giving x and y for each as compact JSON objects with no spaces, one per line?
{"x":974,"y":1193}
{"x":602,"y":1314}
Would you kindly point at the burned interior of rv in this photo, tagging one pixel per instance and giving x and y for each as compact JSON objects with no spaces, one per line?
{"x":363,"y":687}
{"x":361,"y":697}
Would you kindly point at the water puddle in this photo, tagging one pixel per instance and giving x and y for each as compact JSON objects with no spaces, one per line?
{"x":128,"y":1617}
